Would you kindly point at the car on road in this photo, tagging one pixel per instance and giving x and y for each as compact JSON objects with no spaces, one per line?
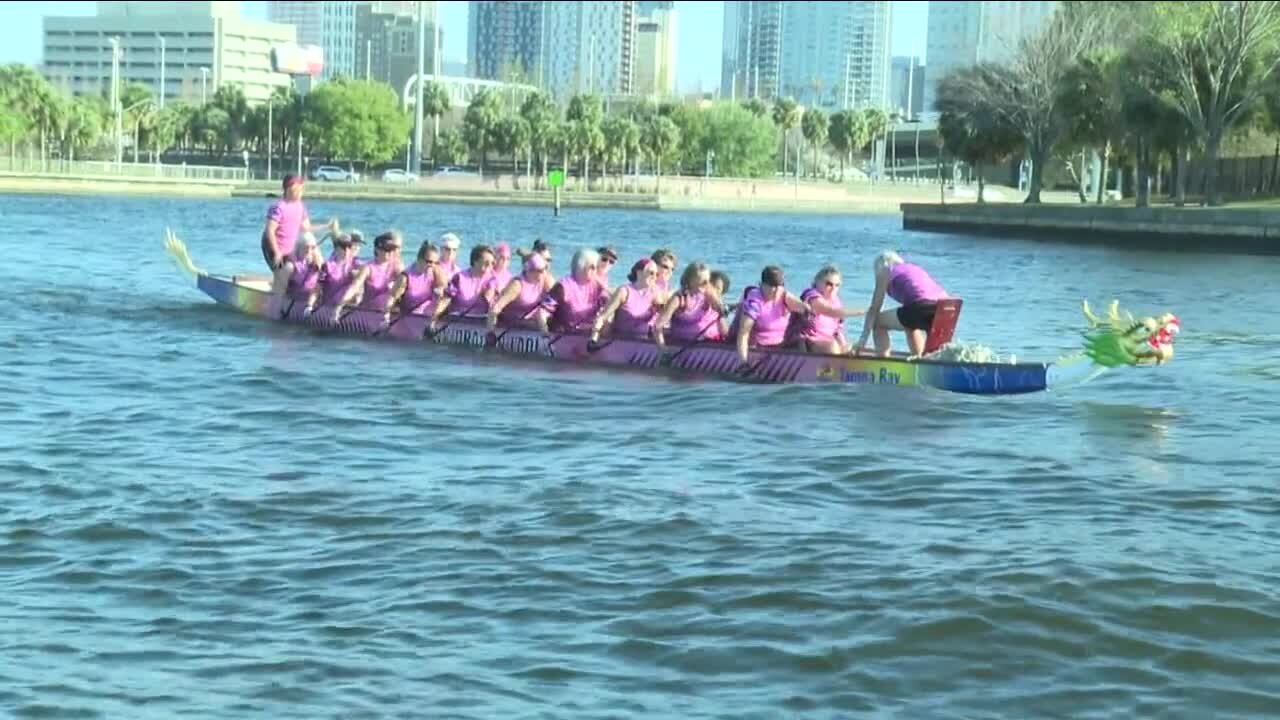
{"x":452,"y":170}
{"x":397,"y":175}
{"x":333,"y":173}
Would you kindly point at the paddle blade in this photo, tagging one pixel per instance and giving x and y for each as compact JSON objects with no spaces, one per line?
{"x":178,"y":253}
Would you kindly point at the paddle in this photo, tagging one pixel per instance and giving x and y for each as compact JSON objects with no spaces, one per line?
{"x":667,"y":359}
{"x":402,"y":315}
{"x":494,"y":338}
{"x":430,"y":334}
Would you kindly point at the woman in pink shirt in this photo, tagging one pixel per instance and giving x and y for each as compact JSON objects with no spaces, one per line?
{"x":917,"y":294}
{"x":823,"y":329}
{"x":470,"y":291}
{"x":765,"y":314}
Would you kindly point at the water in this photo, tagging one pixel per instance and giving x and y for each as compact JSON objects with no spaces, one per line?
{"x":204,"y":514}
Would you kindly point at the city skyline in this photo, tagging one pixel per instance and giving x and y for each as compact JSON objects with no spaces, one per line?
{"x":699,"y":56}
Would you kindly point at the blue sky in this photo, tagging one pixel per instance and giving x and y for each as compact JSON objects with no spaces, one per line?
{"x":698,"y":27}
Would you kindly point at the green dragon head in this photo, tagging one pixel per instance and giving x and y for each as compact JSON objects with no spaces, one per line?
{"x":1117,"y":341}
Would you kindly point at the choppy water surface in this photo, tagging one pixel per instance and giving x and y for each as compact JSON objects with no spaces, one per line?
{"x":204,"y":515}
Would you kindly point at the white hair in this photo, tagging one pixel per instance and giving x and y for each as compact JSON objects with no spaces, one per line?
{"x":886,"y":260}
{"x":584,"y":258}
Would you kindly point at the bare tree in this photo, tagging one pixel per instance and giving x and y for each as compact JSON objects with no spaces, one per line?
{"x":1028,"y":95}
{"x":1220,"y":55}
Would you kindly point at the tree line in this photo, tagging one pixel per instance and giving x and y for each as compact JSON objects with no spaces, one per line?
{"x":355,"y":121}
{"x":1145,"y":85}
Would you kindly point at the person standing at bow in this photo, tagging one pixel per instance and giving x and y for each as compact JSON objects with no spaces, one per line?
{"x":286,"y":219}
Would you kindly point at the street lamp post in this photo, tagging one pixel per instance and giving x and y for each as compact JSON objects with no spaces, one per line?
{"x":271,"y":148}
{"x":417,"y":108}
{"x":137,"y":124}
{"x":917,"y":173}
{"x":115,"y":99}
{"x":204,"y":85}
{"x":162,"y":86}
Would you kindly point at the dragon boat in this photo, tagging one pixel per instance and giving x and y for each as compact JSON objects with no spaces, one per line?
{"x":1110,"y":342}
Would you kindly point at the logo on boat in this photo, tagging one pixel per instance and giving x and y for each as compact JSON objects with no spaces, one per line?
{"x":862,"y":376}
{"x":460,"y":336}
{"x":518,"y":344}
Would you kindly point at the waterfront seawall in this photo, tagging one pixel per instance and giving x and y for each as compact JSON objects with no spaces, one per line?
{"x":1192,"y":229}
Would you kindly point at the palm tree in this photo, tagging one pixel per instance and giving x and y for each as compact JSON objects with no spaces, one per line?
{"x":539,"y":112}
{"x":560,"y":140}
{"x":876,"y":121}
{"x":621,"y":138}
{"x":756,"y":106}
{"x":480,"y":121}
{"x":586,"y":114}
{"x":661,"y":136}
{"x":512,"y":136}
{"x":25,"y":93}
{"x":814,"y":127}
{"x":435,"y":102}
{"x":82,"y":126}
{"x":786,"y":115}
{"x":586,"y":140}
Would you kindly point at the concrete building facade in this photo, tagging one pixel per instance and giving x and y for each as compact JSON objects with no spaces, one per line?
{"x":655,"y":63}
{"x":751,"y":55}
{"x":829,"y":55}
{"x":331,"y":24}
{"x":906,"y":85}
{"x":589,"y":47}
{"x":196,"y":46}
{"x":387,"y":43}
{"x":505,"y":37}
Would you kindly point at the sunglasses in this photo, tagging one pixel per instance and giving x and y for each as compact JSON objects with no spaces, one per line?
{"x":608,"y":261}
{"x":430,"y":262}
{"x":833,"y":284}
{"x":651,"y":273}
{"x":668,"y":268}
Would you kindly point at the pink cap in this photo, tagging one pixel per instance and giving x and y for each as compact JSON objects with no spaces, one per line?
{"x":504,"y":250}
{"x":535,"y":262}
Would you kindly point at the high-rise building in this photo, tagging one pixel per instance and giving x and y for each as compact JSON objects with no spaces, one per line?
{"x":338,"y":37}
{"x":505,"y":39}
{"x":965,"y":32}
{"x":906,"y":86}
{"x":655,"y":63}
{"x":829,"y":55}
{"x":330,"y":24}
{"x":589,"y":47}
{"x":195,"y":46}
{"x":387,"y":43}
{"x":751,"y":59}
{"x":835,"y":55}
{"x":305,"y":16}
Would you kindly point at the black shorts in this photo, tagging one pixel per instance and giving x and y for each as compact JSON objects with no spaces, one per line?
{"x":917,"y":316}
{"x":267,"y":252}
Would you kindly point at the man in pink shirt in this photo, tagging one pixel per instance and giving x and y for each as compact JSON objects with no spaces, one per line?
{"x":286,"y":219}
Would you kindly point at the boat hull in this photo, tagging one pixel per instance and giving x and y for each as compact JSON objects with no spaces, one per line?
{"x":713,"y":360}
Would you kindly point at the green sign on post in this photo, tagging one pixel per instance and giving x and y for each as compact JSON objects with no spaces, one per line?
{"x":555,"y":178}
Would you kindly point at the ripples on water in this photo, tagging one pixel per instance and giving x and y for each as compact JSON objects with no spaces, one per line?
{"x":201,"y":514}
